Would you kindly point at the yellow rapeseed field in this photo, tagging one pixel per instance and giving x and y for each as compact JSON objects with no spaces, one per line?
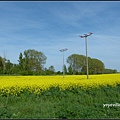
{"x":16,"y":84}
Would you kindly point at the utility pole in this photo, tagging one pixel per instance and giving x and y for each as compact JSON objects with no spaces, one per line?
{"x":85,"y":36}
{"x":62,"y":50}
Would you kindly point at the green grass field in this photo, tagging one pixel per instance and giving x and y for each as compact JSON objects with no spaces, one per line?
{"x":53,"y":103}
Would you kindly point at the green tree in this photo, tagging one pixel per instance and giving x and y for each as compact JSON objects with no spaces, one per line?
{"x":51,"y":69}
{"x":59,"y":73}
{"x":109,"y":71}
{"x":21,"y":65}
{"x":65,"y":69}
{"x":95,"y":66}
{"x":84,"y":67}
{"x":32,"y":61}
{"x":15,"y":69}
{"x":9,"y":67}
{"x":78,"y":64}
{"x":1,"y":65}
{"x":70,"y":71}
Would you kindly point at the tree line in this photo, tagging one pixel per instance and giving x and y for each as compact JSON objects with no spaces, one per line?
{"x":31,"y":62}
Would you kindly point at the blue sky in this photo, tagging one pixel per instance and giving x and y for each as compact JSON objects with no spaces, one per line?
{"x":51,"y":26}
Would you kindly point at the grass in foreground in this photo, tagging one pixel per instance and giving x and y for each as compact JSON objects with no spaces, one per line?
{"x":56,"y":103}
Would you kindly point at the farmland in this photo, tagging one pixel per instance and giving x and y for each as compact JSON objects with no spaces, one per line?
{"x":56,"y":97}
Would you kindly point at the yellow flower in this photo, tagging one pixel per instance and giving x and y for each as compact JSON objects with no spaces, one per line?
{"x":35,"y":84}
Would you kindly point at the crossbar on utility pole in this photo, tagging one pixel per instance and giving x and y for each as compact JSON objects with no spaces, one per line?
{"x":85,"y":36}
